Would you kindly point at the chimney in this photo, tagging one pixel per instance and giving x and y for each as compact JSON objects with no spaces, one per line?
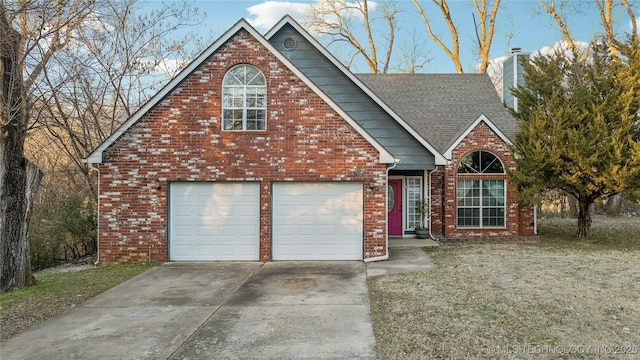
{"x":512,"y":76}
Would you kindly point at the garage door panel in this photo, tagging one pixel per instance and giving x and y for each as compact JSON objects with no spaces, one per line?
{"x":205,"y":250}
{"x":284,"y":231}
{"x":317,"y":221}
{"x":183,"y":230}
{"x":182,"y":250}
{"x":249,"y":231}
{"x":182,"y":211}
{"x":214,"y":221}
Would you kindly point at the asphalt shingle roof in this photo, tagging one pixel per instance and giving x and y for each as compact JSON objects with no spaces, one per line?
{"x":440,"y":107}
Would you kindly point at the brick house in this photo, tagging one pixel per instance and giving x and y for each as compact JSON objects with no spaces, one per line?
{"x":267,"y":148}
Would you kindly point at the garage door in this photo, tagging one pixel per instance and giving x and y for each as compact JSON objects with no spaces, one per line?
{"x":317,"y":221}
{"x":214,"y":221}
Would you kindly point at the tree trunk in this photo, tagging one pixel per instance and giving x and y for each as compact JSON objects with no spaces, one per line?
{"x":584,"y":218}
{"x":19,"y":179}
{"x":573,"y":206}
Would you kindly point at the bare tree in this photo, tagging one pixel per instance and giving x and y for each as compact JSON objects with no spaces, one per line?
{"x":557,"y":13}
{"x":120,"y":56}
{"x":607,"y":20}
{"x":487,"y":12}
{"x":337,"y":20}
{"x":72,"y":71}
{"x":25,"y":50}
{"x":413,"y":55}
{"x":605,"y":7}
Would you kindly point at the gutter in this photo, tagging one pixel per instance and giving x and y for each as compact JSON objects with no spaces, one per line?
{"x":386,"y":256}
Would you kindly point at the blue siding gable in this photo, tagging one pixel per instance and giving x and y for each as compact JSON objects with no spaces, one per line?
{"x":351,"y":98}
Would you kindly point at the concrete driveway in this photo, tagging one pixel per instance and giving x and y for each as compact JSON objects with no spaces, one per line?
{"x":231,"y":310}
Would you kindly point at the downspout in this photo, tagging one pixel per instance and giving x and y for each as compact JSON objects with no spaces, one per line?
{"x":386,"y":201}
{"x":97,"y":217}
{"x":430,"y":202}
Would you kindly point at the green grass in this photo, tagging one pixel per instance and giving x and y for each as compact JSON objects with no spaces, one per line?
{"x":560,"y":298}
{"x":75,"y":284}
{"x":58,"y":291}
{"x":613,"y":236}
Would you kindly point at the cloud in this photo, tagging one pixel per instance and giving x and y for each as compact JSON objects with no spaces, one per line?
{"x":495,"y":65}
{"x":170,"y":67}
{"x":560,"y":46}
{"x":494,"y":70}
{"x":268,"y":13}
{"x":150,"y":66}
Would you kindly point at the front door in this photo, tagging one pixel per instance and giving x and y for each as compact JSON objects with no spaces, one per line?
{"x":394,"y":207}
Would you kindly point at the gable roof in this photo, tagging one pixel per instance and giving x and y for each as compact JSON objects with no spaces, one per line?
{"x":480,"y":119}
{"x":97,"y":155}
{"x":443,"y":107}
{"x":426,"y":143}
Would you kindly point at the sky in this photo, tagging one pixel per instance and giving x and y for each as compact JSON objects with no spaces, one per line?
{"x":521,"y":23}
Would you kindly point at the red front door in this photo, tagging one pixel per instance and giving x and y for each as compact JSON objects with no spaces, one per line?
{"x":394,"y":202}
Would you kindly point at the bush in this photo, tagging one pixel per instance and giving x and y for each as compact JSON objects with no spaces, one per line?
{"x":63,"y":229}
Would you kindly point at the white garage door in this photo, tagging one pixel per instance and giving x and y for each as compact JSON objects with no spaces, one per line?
{"x":214,"y":221}
{"x":317,"y":221}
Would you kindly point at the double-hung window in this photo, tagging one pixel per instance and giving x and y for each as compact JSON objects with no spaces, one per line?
{"x":481,"y":191}
{"x":244,"y":99}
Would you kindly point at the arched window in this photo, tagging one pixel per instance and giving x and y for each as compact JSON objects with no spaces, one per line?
{"x":244,"y":99}
{"x":481,"y":199}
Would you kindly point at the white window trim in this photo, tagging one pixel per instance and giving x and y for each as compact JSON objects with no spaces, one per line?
{"x":244,"y":88}
{"x":481,"y":207}
{"x":405,"y":200}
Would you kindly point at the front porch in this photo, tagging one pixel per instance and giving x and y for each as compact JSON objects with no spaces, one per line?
{"x":404,"y":242}
{"x":405,"y":255}
{"x":406,"y":188}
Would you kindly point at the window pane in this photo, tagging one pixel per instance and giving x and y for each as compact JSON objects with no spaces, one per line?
{"x":480,"y":162}
{"x":491,"y":164}
{"x":261,"y":101}
{"x":256,"y":118}
{"x":251,"y":101}
{"x":226,"y":101}
{"x":493,"y":213}
{"x":235,"y":114}
{"x":493,"y":193}
{"x":235,"y":76}
{"x":414,"y":194}
{"x":468,"y":193}
{"x":493,"y":217}
{"x":481,"y":200}
{"x":254,"y":77}
{"x":244,"y":99}
{"x":468,"y":217}
{"x":470,"y":163}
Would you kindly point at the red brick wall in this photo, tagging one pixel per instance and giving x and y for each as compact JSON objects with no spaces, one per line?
{"x":181,"y":140}
{"x":437,"y":201}
{"x":519,"y":218}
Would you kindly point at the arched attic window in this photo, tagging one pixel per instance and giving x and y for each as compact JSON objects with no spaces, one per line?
{"x":481,"y":191}
{"x":244,"y":99}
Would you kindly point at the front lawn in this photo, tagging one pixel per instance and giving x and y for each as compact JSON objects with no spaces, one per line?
{"x":560,"y":298}
{"x":56,"y":292}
